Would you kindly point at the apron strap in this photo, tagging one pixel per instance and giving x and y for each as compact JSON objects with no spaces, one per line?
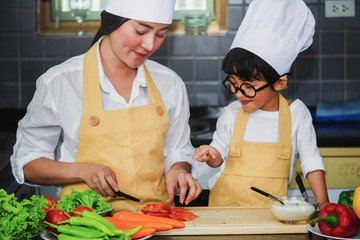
{"x":92,"y":102}
{"x":285,"y":147}
{"x":238,"y":134}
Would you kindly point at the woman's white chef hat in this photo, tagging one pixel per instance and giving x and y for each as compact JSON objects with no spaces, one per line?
{"x":276,"y":31}
{"x":157,"y":11}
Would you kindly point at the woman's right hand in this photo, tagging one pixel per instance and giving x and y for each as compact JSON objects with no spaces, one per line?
{"x":100,"y":178}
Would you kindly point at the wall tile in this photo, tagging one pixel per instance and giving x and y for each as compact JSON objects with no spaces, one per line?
{"x":26,"y":3}
{"x":353,"y":93}
{"x":182,"y":46}
{"x":183,"y":67}
{"x":190,"y":91}
{"x":51,"y":62}
{"x":30,"y":46}
{"x":207,"y":94}
{"x":353,"y":22}
{"x":225,"y":43}
{"x":332,"y":42}
{"x":9,"y":46}
{"x":79,"y":46}
{"x":330,"y":23}
{"x":31,"y":70}
{"x":333,"y":92}
{"x":9,"y":71}
{"x":307,"y":68}
{"x":9,"y":3}
{"x":163,"y":50}
{"x":235,"y":17}
{"x":207,"y":70}
{"x":56,"y":47}
{"x":206,"y":46}
{"x":9,"y":95}
{"x":308,"y":92}
{"x":27,"y":20}
{"x":8,"y":21}
{"x":27,"y":93}
{"x":332,"y":68}
{"x":353,"y":42}
{"x":353,"y":67}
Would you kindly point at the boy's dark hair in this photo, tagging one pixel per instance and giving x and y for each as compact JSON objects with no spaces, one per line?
{"x":109,"y":23}
{"x":248,"y":66}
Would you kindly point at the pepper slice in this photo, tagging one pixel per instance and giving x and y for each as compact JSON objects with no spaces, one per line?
{"x":156,"y":208}
{"x":183,"y":216}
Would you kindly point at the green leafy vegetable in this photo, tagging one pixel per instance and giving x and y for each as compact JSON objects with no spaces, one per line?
{"x":88,"y":198}
{"x":20,"y":220}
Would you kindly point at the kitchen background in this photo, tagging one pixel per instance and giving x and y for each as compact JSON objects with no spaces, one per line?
{"x":328,"y":71}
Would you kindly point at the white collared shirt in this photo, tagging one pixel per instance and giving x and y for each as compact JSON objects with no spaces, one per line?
{"x":51,"y":125}
{"x":263,"y":126}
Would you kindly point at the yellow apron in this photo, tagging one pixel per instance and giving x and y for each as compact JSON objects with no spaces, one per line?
{"x":255,"y":164}
{"x":130,"y":141}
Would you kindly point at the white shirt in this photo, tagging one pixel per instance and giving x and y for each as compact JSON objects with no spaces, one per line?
{"x":263,"y":126}
{"x":51,"y":125}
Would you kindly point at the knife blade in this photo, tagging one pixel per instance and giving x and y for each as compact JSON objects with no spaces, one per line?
{"x":121,"y":194}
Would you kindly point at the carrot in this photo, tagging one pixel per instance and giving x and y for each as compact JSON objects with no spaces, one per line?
{"x":133,"y":224}
{"x":143,"y":232}
{"x":130,"y":216}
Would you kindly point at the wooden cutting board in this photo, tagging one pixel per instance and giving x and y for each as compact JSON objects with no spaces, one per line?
{"x":234,"y":220}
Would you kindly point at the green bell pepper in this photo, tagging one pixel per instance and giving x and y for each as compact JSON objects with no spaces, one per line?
{"x":346,"y":198}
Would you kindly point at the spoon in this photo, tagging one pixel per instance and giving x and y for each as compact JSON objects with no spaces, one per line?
{"x":302,"y":188}
{"x":266,"y":194}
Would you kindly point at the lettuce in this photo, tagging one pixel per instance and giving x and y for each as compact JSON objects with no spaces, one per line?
{"x":88,"y":198}
{"x":21,"y":220}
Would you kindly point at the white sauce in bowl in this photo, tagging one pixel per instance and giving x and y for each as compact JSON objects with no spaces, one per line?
{"x":293,"y":210}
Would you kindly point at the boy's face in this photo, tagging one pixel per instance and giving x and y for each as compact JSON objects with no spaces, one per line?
{"x":267,"y":99}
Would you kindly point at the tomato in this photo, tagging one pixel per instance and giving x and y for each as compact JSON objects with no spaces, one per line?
{"x":158,"y":214}
{"x":55,"y":216}
{"x":177,"y":209}
{"x":156,"y":208}
{"x":80,"y":209}
{"x":52,"y":203}
{"x":183,"y":216}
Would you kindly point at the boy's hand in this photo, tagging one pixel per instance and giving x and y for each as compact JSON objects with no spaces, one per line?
{"x":205,"y":153}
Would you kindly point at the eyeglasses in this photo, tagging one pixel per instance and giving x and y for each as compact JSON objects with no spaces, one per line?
{"x":246,"y":89}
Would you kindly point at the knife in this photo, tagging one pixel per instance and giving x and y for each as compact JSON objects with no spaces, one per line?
{"x":121,"y":194}
{"x":302,"y":188}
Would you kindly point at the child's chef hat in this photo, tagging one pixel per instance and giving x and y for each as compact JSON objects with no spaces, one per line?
{"x":158,"y":11}
{"x":277,"y":31}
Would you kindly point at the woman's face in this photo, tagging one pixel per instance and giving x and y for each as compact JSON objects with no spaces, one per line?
{"x":135,"y":41}
{"x":266,"y":99}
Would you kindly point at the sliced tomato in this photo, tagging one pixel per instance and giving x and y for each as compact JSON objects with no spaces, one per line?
{"x":156,"y":208}
{"x":177,"y":209}
{"x":158,"y":214}
{"x":183,"y":216}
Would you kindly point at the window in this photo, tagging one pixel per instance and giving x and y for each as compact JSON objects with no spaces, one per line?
{"x":82,"y":17}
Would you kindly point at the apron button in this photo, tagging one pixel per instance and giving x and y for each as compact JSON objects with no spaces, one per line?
{"x":94,"y":120}
{"x":159,"y":110}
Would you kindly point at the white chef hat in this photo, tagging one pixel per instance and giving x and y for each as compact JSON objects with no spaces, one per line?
{"x":158,"y":11}
{"x":276,"y":31}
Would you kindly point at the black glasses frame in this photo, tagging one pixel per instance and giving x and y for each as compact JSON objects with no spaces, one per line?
{"x":242,"y":91}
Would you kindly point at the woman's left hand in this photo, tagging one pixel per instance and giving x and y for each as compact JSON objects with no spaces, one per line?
{"x":179,"y":176}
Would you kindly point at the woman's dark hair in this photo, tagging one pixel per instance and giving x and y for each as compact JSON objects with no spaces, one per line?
{"x":248,"y":66}
{"x":109,"y":23}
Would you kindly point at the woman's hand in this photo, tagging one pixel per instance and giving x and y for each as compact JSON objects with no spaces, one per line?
{"x":208,"y":154}
{"x":100,"y":178}
{"x":179,"y":176}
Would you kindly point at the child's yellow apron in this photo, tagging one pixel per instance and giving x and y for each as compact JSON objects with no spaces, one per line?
{"x":129,"y":141}
{"x":255,"y":164}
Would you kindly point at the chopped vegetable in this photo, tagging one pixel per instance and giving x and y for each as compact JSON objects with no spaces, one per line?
{"x":20,"y":220}
{"x":165,"y":211}
{"x":88,"y":198}
{"x":130,"y":216}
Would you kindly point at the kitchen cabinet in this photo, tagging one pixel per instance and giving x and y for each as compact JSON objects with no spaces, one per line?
{"x":342,"y":167}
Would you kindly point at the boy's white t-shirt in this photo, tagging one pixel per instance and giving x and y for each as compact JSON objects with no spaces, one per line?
{"x":263,"y":126}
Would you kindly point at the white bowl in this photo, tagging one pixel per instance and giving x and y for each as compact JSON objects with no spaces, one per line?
{"x":295,"y":210}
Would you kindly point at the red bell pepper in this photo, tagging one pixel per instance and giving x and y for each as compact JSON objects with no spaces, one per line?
{"x":336,"y":220}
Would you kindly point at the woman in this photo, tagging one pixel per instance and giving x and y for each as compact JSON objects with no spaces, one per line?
{"x":112,"y":119}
